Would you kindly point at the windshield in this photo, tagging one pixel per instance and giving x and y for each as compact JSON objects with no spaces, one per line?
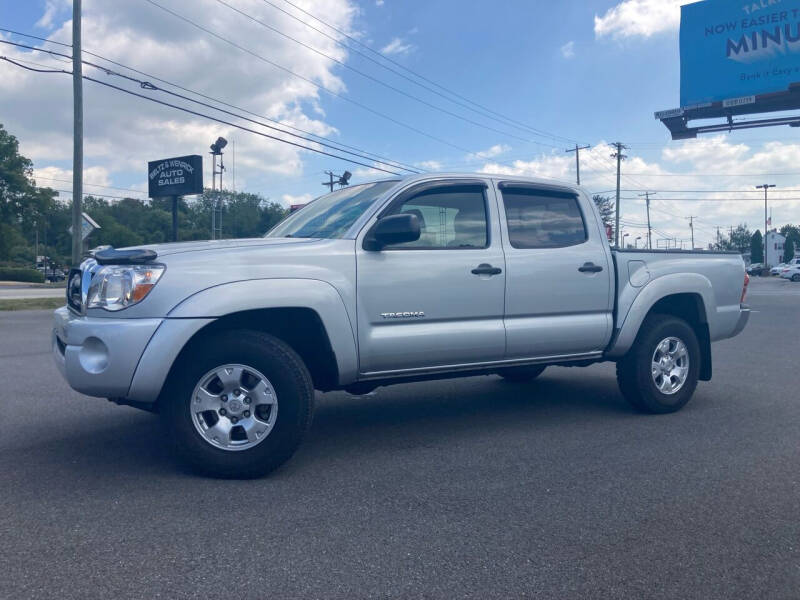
{"x":330,"y":216}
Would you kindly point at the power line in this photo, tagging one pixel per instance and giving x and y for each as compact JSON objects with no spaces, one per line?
{"x":422,"y":77}
{"x":335,"y":145}
{"x":375,"y":79}
{"x":306,"y":79}
{"x":483,"y":112}
{"x":212,"y":118}
{"x":107,"y":187}
{"x":149,"y":86}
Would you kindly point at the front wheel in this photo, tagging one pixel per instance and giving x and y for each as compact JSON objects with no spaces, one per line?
{"x":660,"y":372}
{"x":796,"y":277}
{"x":238,"y":405}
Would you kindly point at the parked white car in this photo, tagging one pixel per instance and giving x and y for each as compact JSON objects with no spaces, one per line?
{"x":776,"y":270}
{"x":791,"y":272}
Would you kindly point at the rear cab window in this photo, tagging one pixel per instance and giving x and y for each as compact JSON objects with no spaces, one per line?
{"x":541,"y":218}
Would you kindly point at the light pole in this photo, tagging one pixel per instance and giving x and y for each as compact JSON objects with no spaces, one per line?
{"x":623,"y":240}
{"x":636,"y":242}
{"x":216,"y":150}
{"x":765,"y":187}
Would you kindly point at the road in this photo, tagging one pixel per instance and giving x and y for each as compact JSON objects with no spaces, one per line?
{"x":12,"y":292}
{"x":473,"y":489}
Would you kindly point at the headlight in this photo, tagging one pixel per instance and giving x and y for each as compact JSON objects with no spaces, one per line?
{"x":118,"y":287}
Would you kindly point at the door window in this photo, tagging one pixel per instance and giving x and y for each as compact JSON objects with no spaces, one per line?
{"x":450,"y":218}
{"x":543,"y":218}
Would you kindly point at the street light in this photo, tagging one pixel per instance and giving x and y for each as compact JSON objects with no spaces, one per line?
{"x":216,"y":150}
{"x":216,"y":147}
{"x":636,"y":242}
{"x":765,"y":187}
{"x":623,"y":239}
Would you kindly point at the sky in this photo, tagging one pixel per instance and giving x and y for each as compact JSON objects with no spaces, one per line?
{"x":508,"y":87}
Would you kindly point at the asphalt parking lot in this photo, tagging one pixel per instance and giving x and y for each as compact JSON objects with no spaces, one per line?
{"x":471,"y":488}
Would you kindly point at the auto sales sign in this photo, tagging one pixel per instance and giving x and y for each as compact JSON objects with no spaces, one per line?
{"x":734,"y":49}
{"x":181,"y":176}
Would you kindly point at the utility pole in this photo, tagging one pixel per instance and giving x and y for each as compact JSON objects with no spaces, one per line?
{"x":331,"y":182}
{"x":649,"y":229}
{"x":765,"y":187}
{"x":620,"y":157}
{"x":342,"y":180}
{"x":77,"y":135}
{"x":691,"y":226}
{"x":577,"y":151}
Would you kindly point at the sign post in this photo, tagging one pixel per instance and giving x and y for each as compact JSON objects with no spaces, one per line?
{"x":173,"y":178}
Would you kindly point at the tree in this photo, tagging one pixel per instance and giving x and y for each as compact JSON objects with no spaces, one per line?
{"x":24,"y":208}
{"x":757,"y":247}
{"x":788,"y":249}
{"x":606,"y":208}
{"x":740,"y":240}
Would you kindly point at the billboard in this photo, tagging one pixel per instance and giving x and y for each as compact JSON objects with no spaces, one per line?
{"x":181,"y":176}
{"x":733,"y":50}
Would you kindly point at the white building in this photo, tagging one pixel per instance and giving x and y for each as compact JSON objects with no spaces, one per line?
{"x":774,"y":246}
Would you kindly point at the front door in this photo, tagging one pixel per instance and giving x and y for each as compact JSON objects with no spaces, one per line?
{"x":436,"y":302}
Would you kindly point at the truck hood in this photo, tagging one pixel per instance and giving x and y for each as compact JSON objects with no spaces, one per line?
{"x":213,"y":245}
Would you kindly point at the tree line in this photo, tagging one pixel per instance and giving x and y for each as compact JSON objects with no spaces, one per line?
{"x":27,"y":209}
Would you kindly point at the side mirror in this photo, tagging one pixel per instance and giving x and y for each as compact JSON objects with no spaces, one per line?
{"x":394,"y":229}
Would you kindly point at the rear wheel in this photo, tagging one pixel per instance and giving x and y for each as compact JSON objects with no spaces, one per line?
{"x":659,"y":374}
{"x":239,"y":406}
{"x":522,"y":374}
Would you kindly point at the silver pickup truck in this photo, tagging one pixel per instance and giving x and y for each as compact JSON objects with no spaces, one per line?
{"x":427,"y":277}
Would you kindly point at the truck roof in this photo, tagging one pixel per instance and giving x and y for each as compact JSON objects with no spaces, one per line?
{"x":539,"y":181}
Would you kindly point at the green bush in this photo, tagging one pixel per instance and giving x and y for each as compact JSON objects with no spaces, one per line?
{"x":14,"y":274}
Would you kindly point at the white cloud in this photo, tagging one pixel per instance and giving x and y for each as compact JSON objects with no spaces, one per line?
{"x":568,"y":50}
{"x":492,"y":152}
{"x":644,"y":18}
{"x":379,"y":2}
{"x":430,"y":165}
{"x":52,"y":176}
{"x":123,"y":132}
{"x":52,"y":9}
{"x":397,"y":46}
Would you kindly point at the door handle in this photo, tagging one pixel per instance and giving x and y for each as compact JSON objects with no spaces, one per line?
{"x":590,"y":267}
{"x":486,"y":269}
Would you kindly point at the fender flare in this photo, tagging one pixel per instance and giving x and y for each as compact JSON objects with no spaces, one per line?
{"x":198,"y":310}
{"x":667,"y":285}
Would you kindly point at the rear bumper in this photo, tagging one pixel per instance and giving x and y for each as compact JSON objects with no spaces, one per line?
{"x":98,"y":356}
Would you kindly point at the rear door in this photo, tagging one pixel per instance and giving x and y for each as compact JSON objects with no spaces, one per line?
{"x":437,"y":301}
{"x":559,"y":294}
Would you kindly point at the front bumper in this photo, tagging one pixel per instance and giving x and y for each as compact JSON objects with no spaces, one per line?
{"x":98,"y":356}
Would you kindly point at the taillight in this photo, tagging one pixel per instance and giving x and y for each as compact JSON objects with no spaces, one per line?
{"x":744,"y":287}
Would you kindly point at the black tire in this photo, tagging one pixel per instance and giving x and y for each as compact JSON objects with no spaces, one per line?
{"x":522,"y":374}
{"x":634,"y":371}
{"x":796,"y":277}
{"x":293,"y":387}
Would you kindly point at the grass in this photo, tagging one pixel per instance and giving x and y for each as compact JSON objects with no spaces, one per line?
{"x":31,"y":303}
